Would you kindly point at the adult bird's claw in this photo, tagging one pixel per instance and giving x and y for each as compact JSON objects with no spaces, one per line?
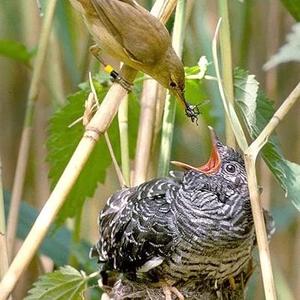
{"x":123,"y":82}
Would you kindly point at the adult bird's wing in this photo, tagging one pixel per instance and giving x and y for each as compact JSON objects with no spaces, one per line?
{"x":142,"y":36}
{"x":136,"y":227}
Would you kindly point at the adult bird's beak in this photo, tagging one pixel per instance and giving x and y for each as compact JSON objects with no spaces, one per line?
{"x":214,"y":161}
{"x":191,"y":111}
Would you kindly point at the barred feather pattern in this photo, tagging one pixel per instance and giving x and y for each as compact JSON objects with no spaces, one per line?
{"x":185,"y":226}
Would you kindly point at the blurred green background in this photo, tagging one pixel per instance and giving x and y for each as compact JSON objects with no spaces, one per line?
{"x":258,"y":29}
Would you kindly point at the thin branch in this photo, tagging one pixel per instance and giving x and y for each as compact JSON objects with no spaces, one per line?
{"x":114,"y":160}
{"x":228,"y":107}
{"x":145,"y":133}
{"x":227,"y":73}
{"x":95,"y":103}
{"x":250,"y":158}
{"x":263,"y":137}
{"x":148,"y":110}
{"x":260,"y":229}
{"x":250,"y":154}
{"x":163,"y":9}
{"x":170,"y":106}
{"x":97,"y":126}
{"x":27,"y":127}
{"x":124,"y":140}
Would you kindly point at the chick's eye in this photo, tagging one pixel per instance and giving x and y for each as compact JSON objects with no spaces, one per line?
{"x":230,"y":168}
{"x":173,"y":84}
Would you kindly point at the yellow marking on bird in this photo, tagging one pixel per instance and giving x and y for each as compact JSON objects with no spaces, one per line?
{"x":108,"y":69}
{"x":232,"y":282}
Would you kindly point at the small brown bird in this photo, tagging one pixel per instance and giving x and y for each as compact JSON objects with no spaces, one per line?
{"x":128,"y":32}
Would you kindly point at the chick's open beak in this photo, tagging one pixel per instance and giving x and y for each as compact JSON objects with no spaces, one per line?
{"x":213,"y":163}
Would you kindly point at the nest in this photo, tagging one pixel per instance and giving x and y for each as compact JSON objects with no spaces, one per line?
{"x":200,"y":289}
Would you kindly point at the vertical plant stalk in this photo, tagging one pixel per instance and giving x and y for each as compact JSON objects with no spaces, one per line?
{"x":246,"y":33}
{"x":228,"y":106}
{"x":250,"y":155}
{"x":160,"y":103}
{"x":147,"y":121}
{"x":114,"y":160}
{"x":3,"y":245}
{"x":97,"y":126}
{"x":27,"y":127}
{"x":54,"y":71}
{"x":170,"y":106}
{"x":227,"y":73}
{"x":250,"y":158}
{"x":124,"y":142}
{"x":260,"y":228}
{"x":145,"y":133}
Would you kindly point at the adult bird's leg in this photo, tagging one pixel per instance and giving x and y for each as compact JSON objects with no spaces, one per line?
{"x":168,"y":290}
{"x":116,"y":77}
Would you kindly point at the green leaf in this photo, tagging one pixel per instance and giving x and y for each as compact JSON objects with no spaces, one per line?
{"x":256,"y":117}
{"x":288,"y":52}
{"x":293,"y":6}
{"x":65,"y":284}
{"x":63,"y":141}
{"x":15,"y":50}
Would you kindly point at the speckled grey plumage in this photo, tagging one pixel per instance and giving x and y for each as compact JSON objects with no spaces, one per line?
{"x":192,"y":229}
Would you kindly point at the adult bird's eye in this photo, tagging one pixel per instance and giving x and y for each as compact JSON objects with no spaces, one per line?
{"x":173,"y":84}
{"x":230,"y":168}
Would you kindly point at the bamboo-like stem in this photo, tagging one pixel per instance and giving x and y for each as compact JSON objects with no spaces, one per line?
{"x":124,"y":142}
{"x":227,"y":73}
{"x":3,"y":246}
{"x":98,"y":125}
{"x":160,"y":103}
{"x":54,"y":71}
{"x":228,"y":106}
{"x":250,"y":155}
{"x":170,"y":106}
{"x":260,"y":229}
{"x":146,"y":124}
{"x":166,"y":137}
{"x":145,"y":133}
{"x":27,"y":127}
{"x":114,"y":160}
{"x":163,"y":9}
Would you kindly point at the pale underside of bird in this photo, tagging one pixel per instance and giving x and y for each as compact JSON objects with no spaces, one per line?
{"x":128,"y":32}
{"x":192,"y":231}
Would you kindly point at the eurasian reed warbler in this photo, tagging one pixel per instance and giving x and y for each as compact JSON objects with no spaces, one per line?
{"x":128,"y":32}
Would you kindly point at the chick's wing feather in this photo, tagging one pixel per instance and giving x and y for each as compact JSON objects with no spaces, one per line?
{"x":140,"y":229}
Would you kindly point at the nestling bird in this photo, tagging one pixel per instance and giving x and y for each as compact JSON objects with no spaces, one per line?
{"x":128,"y":32}
{"x":194,"y":226}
